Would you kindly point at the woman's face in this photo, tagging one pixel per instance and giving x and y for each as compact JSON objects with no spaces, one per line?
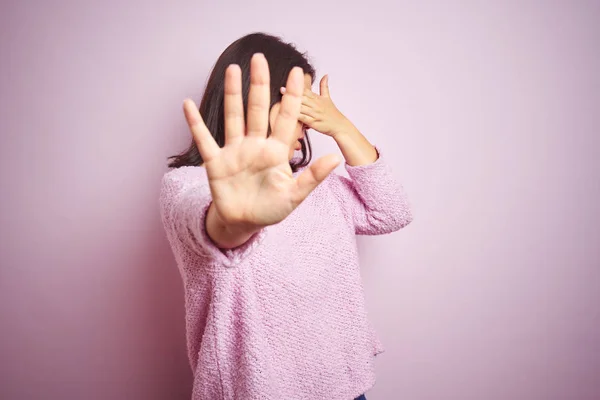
{"x":300,"y":127}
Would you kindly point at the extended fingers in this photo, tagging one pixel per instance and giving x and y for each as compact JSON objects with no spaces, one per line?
{"x":287,"y":118}
{"x":234,"y":105}
{"x":206,"y":144}
{"x":259,"y":96}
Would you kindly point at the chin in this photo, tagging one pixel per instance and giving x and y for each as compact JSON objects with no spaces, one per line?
{"x":295,"y":154}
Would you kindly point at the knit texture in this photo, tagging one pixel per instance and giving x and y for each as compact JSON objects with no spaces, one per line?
{"x":282,"y":316}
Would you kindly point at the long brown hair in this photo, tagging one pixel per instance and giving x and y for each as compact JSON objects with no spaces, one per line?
{"x":281,"y":56}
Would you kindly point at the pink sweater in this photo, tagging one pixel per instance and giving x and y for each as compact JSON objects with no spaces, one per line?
{"x":283,"y":316}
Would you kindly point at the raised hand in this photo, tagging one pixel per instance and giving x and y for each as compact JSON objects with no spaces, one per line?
{"x":318,"y":111}
{"x":250,"y":178}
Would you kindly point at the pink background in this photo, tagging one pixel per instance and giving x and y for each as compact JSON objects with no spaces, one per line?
{"x":489,"y":112}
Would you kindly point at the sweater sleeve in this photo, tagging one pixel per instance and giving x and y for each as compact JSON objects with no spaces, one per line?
{"x":372,"y":199}
{"x":184,"y":202}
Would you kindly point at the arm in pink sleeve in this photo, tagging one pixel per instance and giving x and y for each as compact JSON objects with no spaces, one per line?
{"x":184,"y":201}
{"x":372,"y":198}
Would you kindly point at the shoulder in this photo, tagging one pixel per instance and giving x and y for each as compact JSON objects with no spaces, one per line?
{"x":180,"y":180}
{"x":184,"y":176}
{"x":185,"y":173}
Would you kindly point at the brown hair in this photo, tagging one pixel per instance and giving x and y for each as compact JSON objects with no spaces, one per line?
{"x":281,"y":57}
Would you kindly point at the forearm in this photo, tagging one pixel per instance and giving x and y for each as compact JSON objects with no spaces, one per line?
{"x":357,"y":150}
{"x":223,"y":235}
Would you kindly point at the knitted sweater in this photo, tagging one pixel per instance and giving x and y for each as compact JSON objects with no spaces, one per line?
{"x":283,"y":316}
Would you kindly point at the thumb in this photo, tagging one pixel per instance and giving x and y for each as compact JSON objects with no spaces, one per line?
{"x":325,"y":86}
{"x":310,"y":178}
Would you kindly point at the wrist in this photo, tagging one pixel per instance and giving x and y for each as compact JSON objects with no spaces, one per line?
{"x":357,"y":150}
{"x":227,"y":234}
{"x":343,"y":130}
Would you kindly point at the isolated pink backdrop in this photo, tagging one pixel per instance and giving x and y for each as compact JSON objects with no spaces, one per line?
{"x":488,"y":112}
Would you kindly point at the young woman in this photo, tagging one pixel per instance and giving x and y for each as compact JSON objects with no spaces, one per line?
{"x":265,"y":241}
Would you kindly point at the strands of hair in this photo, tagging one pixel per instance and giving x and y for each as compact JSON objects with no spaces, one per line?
{"x":281,"y":56}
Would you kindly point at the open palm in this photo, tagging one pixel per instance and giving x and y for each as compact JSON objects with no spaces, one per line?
{"x":250,"y":177}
